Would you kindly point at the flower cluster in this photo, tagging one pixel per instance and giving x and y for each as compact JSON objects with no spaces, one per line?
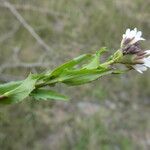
{"x":130,"y":45}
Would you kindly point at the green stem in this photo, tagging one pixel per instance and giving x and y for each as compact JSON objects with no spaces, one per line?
{"x":50,"y":83}
{"x":54,"y":81}
{"x":106,"y":64}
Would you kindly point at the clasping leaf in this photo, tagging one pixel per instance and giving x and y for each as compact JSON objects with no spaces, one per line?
{"x":16,"y":93}
{"x":44,"y":94}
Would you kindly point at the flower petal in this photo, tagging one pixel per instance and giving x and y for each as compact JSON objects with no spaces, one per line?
{"x":142,"y":39}
{"x":127,"y":32}
{"x":147,"y":61}
{"x":140,"y":68}
{"x":132,"y":34}
{"x":139,"y":34}
{"x":135,"y":35}
{"x":123,"y":36}
{"x":147,"y":52}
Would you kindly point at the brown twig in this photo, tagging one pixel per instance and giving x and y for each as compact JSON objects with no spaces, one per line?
{"x":26,"y":25}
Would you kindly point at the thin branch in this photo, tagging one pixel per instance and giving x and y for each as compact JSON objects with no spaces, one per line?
{"x":27,"y":26}
{"x":23,"y":65}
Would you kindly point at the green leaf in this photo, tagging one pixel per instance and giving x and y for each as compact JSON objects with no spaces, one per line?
{"x":20,"y":92}
{"x":9,"y":86}
{"x":95,"y":59}
{"x":103,"y":50}
{"x":69,"y":64}
{"x":82,"y":76}
{"x":118,"y":57}
{"x":44,"y":94}
{"x":120,"y":71}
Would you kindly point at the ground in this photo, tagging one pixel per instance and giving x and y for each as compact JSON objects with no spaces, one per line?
{"x":109,"y":114}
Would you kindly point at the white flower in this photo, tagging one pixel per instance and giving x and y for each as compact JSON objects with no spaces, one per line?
{"x":131,"y":37}
{"x":146,"y":63}
{"x":130,"y":46}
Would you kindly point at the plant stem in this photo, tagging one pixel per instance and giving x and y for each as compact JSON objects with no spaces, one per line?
{"x":54,"y":81}
{"x":106,"y":64}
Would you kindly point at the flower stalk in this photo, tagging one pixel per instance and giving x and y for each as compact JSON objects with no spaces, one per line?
{"x":81,"y":70}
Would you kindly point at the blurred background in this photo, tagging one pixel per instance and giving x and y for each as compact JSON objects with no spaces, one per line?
{"x":112,"y":113}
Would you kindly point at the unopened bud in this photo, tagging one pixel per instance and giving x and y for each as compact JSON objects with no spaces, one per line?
{"x":131,"y":59}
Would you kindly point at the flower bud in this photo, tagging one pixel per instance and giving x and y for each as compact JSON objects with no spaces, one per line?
{"x":133,"y":55}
